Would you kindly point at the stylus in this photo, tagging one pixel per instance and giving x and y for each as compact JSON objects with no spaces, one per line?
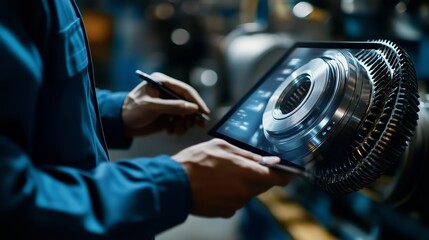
{"x":157,"y":84}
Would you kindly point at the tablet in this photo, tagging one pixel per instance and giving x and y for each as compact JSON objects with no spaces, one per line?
{"x":307,"y":107}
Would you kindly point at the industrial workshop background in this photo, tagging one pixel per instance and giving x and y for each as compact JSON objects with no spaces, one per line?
{"x":222,"y":47}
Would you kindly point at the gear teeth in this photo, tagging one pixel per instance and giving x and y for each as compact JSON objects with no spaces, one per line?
{"x":387,"y":127}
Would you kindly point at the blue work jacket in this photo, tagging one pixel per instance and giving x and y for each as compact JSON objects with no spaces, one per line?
{"x":56,"y":181}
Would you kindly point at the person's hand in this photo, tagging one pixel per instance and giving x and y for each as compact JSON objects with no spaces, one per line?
{"x":145,"y":112}
{"x":224,"y":177}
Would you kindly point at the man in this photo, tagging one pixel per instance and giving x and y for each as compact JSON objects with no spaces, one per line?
{"x":56,"y":179}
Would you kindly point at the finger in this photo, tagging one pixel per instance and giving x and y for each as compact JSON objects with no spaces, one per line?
{"x":189,"y":121}
{"x":162,"y":123}
{"x":269,"y":178}
{"x":183,"y":90}
{"x":270,"y":160}
{"x":171,"y":127}
{"x":279,"y":177}
{"x":143,"y":89}
{"x":263,"y":176}
{"x":239,"y":151}
{"x":275,"y":177}
{"x":260,"y":173}
{"x":179,"y":127}
{"x":152,"y":91}
{"x":173,"y":106}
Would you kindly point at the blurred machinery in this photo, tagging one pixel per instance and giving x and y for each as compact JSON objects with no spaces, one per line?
{"x":198,"y":41}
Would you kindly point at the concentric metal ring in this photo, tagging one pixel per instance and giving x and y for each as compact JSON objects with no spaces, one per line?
{"x":316,"y":105}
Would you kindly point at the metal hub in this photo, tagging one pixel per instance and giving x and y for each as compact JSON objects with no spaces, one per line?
{"x":318,"y":105}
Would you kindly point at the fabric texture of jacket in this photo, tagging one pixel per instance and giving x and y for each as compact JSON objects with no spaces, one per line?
{"x":56,"y":180}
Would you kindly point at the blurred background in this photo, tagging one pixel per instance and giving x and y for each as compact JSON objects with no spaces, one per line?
{"x":222,"y":48}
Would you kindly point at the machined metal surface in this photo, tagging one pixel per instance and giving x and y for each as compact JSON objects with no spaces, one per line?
{"x":384,"y":131}
{"x":319,"y":104}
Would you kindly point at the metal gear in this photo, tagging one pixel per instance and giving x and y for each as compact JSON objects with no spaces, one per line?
{"x":384,"y":132}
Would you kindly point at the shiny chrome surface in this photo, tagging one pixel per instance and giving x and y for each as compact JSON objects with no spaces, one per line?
{"x":384,"y":131}
{"x":318,"y":106}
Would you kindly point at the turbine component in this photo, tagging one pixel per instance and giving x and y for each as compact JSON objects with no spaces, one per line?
{"x":350,"y":117}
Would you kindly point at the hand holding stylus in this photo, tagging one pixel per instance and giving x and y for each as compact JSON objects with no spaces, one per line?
{"x":170,"y":93}
{"x":144,"y":110}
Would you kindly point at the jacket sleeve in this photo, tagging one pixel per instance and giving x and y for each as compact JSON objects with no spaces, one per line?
{"x":110,"y":106}
{"x":134,"y":199}
{"x":131,"y":199}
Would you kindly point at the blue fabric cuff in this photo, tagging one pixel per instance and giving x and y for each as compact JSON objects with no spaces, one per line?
{"x":110,"y":105}
{"x":174,"y":194}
